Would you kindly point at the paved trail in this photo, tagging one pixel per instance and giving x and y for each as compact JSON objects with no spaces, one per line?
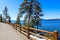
{"x":7,"y":32}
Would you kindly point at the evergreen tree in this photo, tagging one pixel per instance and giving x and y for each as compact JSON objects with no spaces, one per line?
{"x":5,"y":12}
{"x":18,"y":19}
{"x":32,"y":23}
{"x":4,"y":20}
{"x":6,"y":15}
{"x":31,"y":8}
{"x":9,"y":20}
{"x":37,"y":19}
{"x":1,"y":18}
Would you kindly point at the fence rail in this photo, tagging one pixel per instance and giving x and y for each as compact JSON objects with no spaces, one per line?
{"x":24,"y":30}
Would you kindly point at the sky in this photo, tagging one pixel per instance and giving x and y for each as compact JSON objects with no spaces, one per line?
{"x":50,"y":8}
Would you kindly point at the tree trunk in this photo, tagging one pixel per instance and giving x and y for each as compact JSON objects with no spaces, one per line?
{"x":37,"y":26}
{"x":30,"y":11}
{"x":28,"y":26}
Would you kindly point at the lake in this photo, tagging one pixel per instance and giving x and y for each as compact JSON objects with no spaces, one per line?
{"x":48,"y":25}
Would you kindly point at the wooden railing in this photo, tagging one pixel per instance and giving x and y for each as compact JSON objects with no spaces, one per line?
{"x":32,"y":31}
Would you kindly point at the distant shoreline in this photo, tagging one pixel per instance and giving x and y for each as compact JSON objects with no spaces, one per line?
{"x":43,"y":19}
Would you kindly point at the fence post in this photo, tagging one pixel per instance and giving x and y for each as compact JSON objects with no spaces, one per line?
{"x":28,"y":33}
{"x":55,"y":35}
{"x":16,"y":26}
{"x":20,"y":28}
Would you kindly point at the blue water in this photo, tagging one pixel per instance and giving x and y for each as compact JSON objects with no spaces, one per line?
{"x":48,"y":25}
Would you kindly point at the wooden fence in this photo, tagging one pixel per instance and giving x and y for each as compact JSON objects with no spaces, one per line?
{"x":32,"y":31}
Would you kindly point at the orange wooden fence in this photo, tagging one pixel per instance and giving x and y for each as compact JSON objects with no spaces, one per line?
{"x":28,"y":31}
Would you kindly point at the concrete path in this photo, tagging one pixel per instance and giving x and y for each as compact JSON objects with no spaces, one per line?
{"x":7,"y":32}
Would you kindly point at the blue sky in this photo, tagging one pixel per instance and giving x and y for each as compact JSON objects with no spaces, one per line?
{"x":50,"y":8}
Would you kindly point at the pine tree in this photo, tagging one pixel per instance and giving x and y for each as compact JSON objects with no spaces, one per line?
{"x":18,"y":19}
{"x":9,"y":20}
{"x":6,"y":15}
{"x":31,"y":8}
{"x":1,"y":19}
{"x":5,"y":12}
